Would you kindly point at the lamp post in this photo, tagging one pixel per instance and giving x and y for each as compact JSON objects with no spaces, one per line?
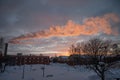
{"x":23,"y":72}
{"x":43,"y":69}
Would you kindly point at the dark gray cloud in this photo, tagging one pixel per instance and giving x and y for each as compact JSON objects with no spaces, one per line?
{"x":27,"y":14}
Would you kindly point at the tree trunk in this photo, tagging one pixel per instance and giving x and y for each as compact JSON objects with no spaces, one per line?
{"x":103,"y":76}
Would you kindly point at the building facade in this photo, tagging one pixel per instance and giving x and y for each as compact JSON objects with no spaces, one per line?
{"x":25,"y":59}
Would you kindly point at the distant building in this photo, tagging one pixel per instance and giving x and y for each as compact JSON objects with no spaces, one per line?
{"x":28,"y":59}
{"x":19,"y":54}
{"x":62,"y":59}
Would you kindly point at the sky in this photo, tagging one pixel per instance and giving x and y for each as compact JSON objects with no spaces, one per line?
{"x":51,"y":26}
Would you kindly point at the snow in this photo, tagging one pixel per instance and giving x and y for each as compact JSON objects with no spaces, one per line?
{"x":113,"y":73}
{"x":54,"y":71}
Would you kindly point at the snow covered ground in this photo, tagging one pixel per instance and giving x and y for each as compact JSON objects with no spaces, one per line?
{"x":52,"y":72}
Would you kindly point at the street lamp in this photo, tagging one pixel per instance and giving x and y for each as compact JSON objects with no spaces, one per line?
{"x":43,"y":69}
{"x":23,"y":72}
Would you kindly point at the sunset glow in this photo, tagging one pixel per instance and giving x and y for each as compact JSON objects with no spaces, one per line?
{"x":52,"y":26}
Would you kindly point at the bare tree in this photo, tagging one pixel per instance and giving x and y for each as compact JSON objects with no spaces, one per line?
{"x":72,"y":49}
{"x":75,"y":49}
{"x":96,"y":50}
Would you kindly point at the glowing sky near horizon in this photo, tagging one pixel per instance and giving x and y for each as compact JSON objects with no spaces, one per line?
{"x":51,"y":26}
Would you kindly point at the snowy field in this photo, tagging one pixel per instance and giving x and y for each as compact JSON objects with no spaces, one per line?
{"x":52,"y":72}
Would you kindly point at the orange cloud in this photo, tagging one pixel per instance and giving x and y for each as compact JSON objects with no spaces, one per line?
{"x":90,"y":26}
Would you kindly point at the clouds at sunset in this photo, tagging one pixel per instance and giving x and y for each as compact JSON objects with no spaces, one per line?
{"x":90,"y":26}
{"x":51,"y":26}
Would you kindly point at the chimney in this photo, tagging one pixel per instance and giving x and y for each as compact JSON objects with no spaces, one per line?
{"x":6,"y":47}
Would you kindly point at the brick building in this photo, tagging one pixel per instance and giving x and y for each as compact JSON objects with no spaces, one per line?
{"x":25,"y":59}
